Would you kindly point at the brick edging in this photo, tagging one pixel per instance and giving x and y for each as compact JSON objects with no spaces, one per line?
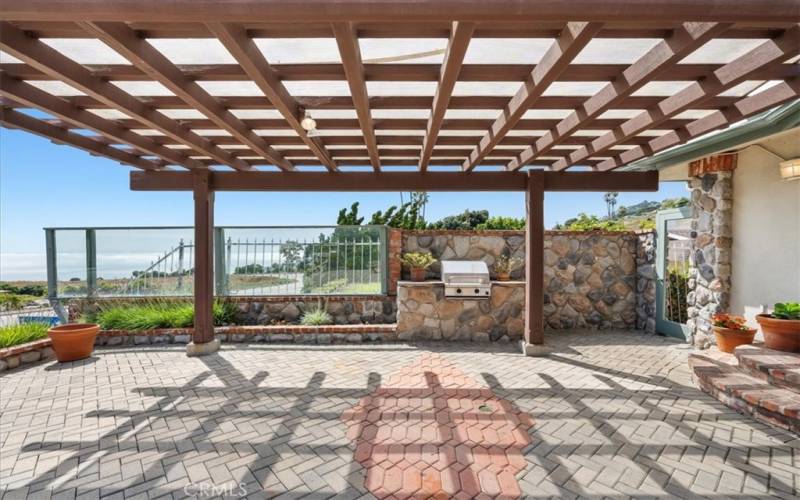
{"x":31,"y":352}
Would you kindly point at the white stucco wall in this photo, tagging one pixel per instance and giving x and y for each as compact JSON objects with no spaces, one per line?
{"x":766,"y":228}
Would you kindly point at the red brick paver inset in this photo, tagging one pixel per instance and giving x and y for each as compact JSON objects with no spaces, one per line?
{"x":432,"y":431}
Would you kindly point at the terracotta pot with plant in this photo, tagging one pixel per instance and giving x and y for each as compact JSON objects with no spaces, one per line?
{"x":781,"y":329}
{"x":502,"y":267}
{"x":418,"y":264}
{"x":73,"y":341}
{"x":731,"y":331}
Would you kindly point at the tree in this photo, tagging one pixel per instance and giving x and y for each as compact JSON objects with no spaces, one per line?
{"x":350,"y":218}
{"x":469,"y":219}
{"x":611,"y":201}
{"x":290,"y":252}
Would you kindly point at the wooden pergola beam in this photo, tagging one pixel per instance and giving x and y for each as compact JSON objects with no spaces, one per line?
{"x":350,"y":52}
{"x":245,"y":51}
{"x":46,"y":59}
{"x":403,"y":102}
{"x":397,"y":181}
{"x":746,"y":107}
{"x":769,"y":53}
{"x":77,"y":117}
{"x":665,"y":55}
{"x":558,"y":57}
{"x":15,"y":119}
{"x":460,"y":37}
{"x":630,"y":11}
{"x":143,"y":55}
{"x":388,"y":72}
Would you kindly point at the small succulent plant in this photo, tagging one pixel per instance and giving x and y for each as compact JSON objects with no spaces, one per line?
{"x":316,"y":317}
{"x":418,"y":260}
{"x":504,"y":264}
{"x":730,"y":322}
{"x":786,"y":310}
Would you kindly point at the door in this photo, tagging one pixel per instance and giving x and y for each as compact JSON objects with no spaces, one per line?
{"x":673,"y":228}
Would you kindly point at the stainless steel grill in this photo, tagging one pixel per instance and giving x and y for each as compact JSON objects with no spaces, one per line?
{"x":466,"y":279}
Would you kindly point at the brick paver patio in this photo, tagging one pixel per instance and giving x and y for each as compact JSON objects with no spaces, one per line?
{"x":613,"y":414}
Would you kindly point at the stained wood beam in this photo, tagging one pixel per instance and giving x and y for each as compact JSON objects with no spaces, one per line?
{"x":625,"y":11}
{"x":460,"y":37}
{"x":77,"y":117}
{"x":43,"y":57}
{"x":143,"y":55}
{"x":15,"y":119}
{"x":245,"y":51}
{"x":402,"y":102}
{"x":203,"y":332}
{"x":534,"y":262}
{"x":665,"y":55}
{"x":387,"y":72}
{"x":767,"y":54}
{"x":388,"y":29}
{"x":566,"y":47}
{"x":350,"y":52}
{"x":397,"y":181}
{"x":745,"y":108}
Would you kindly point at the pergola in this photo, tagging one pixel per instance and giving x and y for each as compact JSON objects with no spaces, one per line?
{"x":436,"y":95}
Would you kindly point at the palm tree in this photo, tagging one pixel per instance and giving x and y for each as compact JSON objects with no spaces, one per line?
{"x":611,"y":201}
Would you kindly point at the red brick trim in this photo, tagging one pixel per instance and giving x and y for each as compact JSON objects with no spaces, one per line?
{"x":258,"y":330}
{"x":717,"y":163}
{"x":507,"y":233}
{"x":23,"y":348}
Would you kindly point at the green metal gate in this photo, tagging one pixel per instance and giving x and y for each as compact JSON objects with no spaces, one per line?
{"x":673,"y":251}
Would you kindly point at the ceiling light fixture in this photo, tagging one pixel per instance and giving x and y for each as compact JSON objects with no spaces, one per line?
{"x":308,"y":123}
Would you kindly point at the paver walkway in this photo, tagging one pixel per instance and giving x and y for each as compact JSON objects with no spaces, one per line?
{"x":614,"y":415}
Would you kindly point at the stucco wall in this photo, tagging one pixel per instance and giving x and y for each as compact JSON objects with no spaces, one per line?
{"x":766,"y":229}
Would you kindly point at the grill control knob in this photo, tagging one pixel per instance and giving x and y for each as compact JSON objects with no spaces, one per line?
{"x":458,"y":290}
{"x":477,"y":291}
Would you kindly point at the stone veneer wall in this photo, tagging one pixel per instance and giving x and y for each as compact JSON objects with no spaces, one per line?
{"x":424,"y":313}
{"x":592,"y":279}
{"x":710,"y":272}
{"x":368,"y":309}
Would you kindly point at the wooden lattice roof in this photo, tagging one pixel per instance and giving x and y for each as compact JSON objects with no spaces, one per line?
{"x":440,"y":85}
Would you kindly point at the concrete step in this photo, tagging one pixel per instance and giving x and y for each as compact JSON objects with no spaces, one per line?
{"x":776,"y":367}
{"x":722,"y":378}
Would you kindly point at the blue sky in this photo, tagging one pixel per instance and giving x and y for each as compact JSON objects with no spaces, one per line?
{"x":44,"y":184}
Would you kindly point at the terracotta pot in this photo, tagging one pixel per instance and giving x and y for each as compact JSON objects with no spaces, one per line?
{"x":728,"y":339}
{"x":780,"y":334}
{"x":503,"y":277}
{"x":73,"y":341}
{"x":418,"y":274}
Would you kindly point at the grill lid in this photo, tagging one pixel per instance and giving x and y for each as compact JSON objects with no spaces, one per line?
{"x":465,"y":271}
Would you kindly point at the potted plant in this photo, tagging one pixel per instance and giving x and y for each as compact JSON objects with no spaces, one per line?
{"x":73,"y":341}
{"x":418,"y":263}
{"x":782,"y":328}
{"x":731,"y":331}
{"x":502,"y":267}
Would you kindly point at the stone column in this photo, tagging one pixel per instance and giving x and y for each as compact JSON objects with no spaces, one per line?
{"x":646,"y":281}
{"x":710,"y":272}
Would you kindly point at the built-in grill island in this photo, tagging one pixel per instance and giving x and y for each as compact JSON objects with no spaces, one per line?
{"x":466,"y":279}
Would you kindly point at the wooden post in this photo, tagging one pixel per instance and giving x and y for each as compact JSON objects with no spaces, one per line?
{"x":203,"y":341}
{"x":534,"y":265}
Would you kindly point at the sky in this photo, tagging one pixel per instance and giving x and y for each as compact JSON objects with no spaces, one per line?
{"x":47,"y":185}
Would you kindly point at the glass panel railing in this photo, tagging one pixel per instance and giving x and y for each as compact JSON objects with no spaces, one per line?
{"x":151,"y":262}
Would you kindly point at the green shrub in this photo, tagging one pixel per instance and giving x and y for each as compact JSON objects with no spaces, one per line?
{"x":316,"y":317}
{"x":20,"y":334}
{"x":585,"y":222}
{"x":500,"y":222}
{"x":147,"y":316}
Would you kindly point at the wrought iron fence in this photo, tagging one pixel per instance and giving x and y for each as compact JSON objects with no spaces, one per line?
{"x":151,"y":262}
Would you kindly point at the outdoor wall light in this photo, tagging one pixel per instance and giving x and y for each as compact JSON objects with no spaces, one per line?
{"x":790,"y":169}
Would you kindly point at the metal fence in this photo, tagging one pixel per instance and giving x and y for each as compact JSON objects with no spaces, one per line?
{"x":264,"y":260}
